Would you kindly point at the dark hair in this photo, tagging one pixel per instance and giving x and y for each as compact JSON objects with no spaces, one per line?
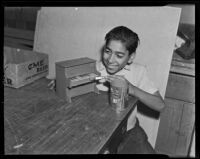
{"x":126,"y":36}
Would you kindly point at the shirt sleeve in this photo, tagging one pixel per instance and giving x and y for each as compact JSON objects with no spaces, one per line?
{"x":146,"y":84}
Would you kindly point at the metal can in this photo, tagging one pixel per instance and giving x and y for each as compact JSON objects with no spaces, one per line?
{"x":118,"y":94}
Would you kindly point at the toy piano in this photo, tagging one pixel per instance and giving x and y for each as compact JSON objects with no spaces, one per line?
{"x":75,"y":77}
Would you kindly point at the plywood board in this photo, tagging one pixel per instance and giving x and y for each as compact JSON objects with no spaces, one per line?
{"x":72,"y":32}
{"x":69,"y":32}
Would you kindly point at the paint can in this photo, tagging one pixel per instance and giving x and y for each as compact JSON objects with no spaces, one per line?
{"x":118,"y":93}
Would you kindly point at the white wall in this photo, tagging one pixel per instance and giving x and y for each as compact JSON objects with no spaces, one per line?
{"x":68,"y":32}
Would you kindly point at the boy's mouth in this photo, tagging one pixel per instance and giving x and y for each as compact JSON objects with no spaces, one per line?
{"x":111,"y":66}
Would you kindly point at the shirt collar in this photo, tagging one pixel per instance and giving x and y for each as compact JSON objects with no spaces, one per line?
{"x":127,"y":67}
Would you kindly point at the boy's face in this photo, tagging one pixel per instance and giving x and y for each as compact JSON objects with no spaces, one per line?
{"x":115,"y":56}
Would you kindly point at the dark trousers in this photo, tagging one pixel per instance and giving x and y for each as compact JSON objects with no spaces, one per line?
{"x":135,"y":141}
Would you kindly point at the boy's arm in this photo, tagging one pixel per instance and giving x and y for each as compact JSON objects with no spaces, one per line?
{"x":154,"y":101}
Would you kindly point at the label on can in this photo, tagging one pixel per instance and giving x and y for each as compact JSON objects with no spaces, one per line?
{"x":118,"y":97}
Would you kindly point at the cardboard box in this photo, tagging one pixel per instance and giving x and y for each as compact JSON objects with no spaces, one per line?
{"x":22,"y":67}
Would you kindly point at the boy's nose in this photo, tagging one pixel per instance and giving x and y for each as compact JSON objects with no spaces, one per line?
{"x":111,"y":58}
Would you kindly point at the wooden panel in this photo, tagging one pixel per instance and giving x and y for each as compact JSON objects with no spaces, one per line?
{"x":170,"y":120}
{"x":82,"y":89}
{"x":19,"y":33}
{"x":113,"y":143}
{"x":18,"y":42}
{"x":30,"y":13}
{"x":38,"y":122}
{"x":182,"y":66}
{"x":181,"y":87}
{"x":10,"y":12}
{"x":80,"y":70}
{"x":61,"y":82}
{"x":75,"y":72}
{"x":75,"y":62}
{"x":17,"y":45}
{"x":10,"y":23}
{"x":21,"y":17}
{"x":176,"y":126}
{"x":186,"y":129}
{"x":182,"y":70}
{"x":10,"y":16}
{"x":30,"y":25}
{"x":18,"y":38}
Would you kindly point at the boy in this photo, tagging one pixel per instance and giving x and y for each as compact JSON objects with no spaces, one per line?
{"x":117,"y":59}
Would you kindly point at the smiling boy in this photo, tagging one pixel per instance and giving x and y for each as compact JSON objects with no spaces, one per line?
{"x":117,"y":59}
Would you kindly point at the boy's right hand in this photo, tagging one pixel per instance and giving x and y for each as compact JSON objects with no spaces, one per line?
{"x":52,"y":84}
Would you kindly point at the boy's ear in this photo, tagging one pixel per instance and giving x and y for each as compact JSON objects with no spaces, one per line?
{"x":132,"y":56}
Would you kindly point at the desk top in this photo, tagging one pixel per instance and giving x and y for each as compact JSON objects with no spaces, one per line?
{"x":36,"y":121}
{"x":181,"y":66}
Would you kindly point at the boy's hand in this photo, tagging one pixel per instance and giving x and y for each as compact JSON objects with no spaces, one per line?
{"x":52,"y":84}
{"x":128,"y":84}
{"x":113,"y":77}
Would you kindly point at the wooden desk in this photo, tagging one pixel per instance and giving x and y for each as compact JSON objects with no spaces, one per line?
{"x":36,"y":121}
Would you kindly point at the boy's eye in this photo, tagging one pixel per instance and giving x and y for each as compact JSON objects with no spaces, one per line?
{"x":120,"y":55}
{"x":107,"y":51}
